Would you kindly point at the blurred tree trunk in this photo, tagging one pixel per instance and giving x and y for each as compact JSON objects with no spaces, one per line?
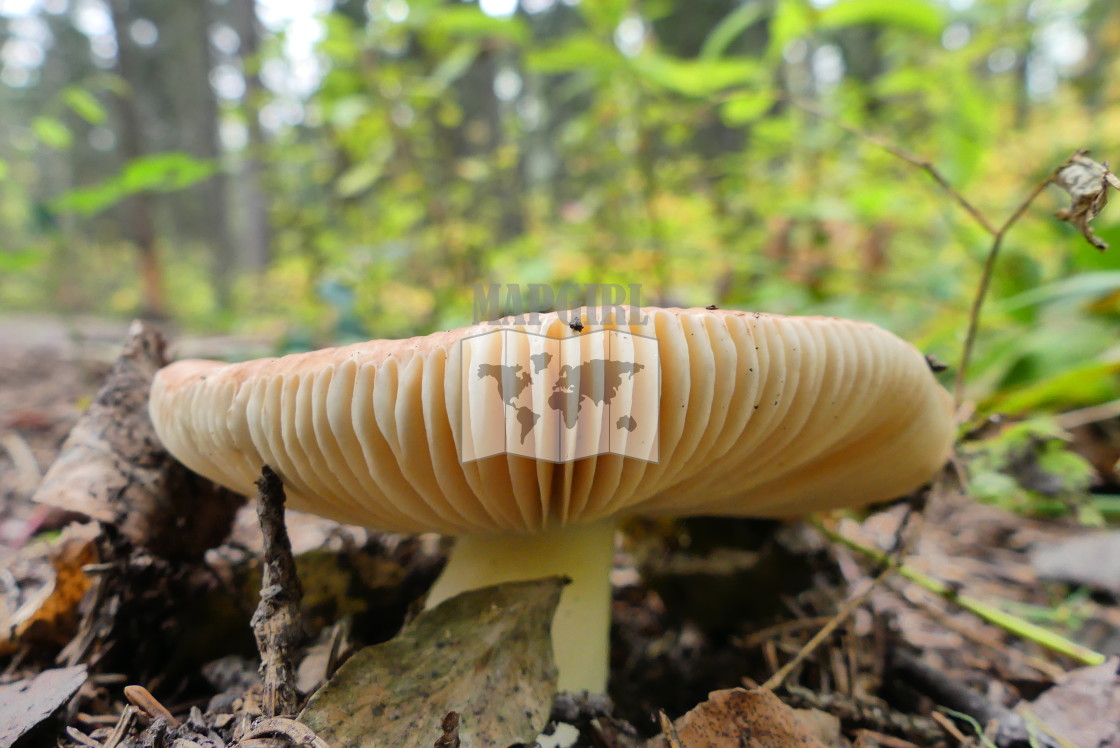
{"x":141,"y":229}
{"x":213,"y":193}
{"x":257,"y":234}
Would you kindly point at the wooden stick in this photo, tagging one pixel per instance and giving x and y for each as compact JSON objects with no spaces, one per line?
{"x":277,"y":623}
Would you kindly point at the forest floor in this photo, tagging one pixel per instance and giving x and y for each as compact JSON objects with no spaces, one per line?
{"x":704,"y":612}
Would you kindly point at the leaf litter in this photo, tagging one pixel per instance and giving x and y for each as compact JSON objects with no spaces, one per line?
{"x":485,"y":655}
{"x":161,"y":637}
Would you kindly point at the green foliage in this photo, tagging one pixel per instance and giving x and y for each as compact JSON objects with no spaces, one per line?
{"x":84,"y":104}
{"x":1028,"y":467}
{"x":164,"y":172}
{"x":914,"y":15}
{"x":52,"y":133}
{"x":653,"y":143}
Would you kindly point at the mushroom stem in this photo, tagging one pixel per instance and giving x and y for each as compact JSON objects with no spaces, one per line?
{"x":581,"y":627}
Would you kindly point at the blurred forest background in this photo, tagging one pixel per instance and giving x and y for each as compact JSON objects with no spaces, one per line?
{"x":322,"y":171}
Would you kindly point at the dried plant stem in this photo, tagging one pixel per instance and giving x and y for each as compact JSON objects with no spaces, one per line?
{"x":909,"y":157}
{"x":1012,"y":624}
{"x":986,"y":281}
{"x":277,"y":622}
{"x":981,"y":220}
{"x":846,"y":610}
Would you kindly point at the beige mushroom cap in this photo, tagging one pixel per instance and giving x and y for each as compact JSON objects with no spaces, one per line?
{"x":757,"y":415}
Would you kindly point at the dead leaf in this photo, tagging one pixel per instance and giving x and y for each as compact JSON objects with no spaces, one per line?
{"x":486,"y":654}
{"x":1091,"y":559}
{"x":27,"y":703}
{"x":736,"y":716}
{"x":1087,"y":183}
{"x":114,"y":469}
{"x":1083,"y":709}
{"x":49,"y":615}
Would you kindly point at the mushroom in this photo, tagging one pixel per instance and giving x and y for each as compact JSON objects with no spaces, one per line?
{"x":721,"y":413}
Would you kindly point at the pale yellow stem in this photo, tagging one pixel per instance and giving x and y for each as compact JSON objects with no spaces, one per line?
{"x":581,"y":628}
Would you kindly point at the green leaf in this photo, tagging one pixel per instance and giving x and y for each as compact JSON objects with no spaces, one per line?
{"x":792,"y":19}
{"x":1078,"y":288}
{"x":84,"y":104}
{"x":358,"y":179}
{"x":746,"y":108}
{"x":913,"y":15}
{"x":578,"y":52}
{"x":22,"y":259}
{"x":468,"y":22}
{"x":51,"y":133}
{"x":1074,"y":387}
{"x":729,"y":29}
{"x":694,"y":77}
{"x":164,"y":172}
{"x":453,"y":65}
{"x":4,"y":169}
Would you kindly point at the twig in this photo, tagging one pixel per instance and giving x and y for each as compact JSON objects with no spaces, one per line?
{"x":123,"y":727}
{"x":668,"y":730}
{"x":881,"y":740}
{"x":986,"y":281}
{"x":80,"y":737}
{"x":909,"y":157}
{"x":950,"y":727}
{"x":981,"y":220}
{"x":1092,"y":414}
{"x":1024,"y":629}
{"x":143,"y":700}
{"x":276,"y":622}
{"x":973,"y":634}
{"x":846,"y":610}
{"x":296,"y":733}
{"x":947,"y":692}
{"x":858,"y":713}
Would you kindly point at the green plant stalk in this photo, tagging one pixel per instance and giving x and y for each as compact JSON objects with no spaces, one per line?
{"x":1024,"y":629}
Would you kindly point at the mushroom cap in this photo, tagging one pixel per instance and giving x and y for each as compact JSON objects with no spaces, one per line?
{"x":755,"y":415}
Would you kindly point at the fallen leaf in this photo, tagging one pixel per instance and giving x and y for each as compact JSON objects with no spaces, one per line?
{"x":738,"y":717}
{"x":1087,"y":183}
{"x":1089,"y":559}
{"x":49,"y":615}
{"x":27,"y":703}
{"x":113,"y":468}
{"x":1083,"y":709}
{"x":485,"y":654}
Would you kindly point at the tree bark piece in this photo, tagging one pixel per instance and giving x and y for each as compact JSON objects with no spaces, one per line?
{"x":113,"y":468}
{"x":277,"y":623}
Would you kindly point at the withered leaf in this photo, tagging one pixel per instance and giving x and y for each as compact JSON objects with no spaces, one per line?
{"x":1083,"y":709}
{"x":1087,"y":183}
{"x":485,"y":654}
{"x":49,"y":616}
{"x":736,"y":716}
{"x":26,"y":704}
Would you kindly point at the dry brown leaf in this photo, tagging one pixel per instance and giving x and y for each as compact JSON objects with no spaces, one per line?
{"x":1087,"y":183}
{"x":26,"y":704}
{"x":485,"y":654}
{"x":1083,"y":709}
{"x":750,"y":719}
{"x":114,"y":469}
{"x":50,"y":614}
